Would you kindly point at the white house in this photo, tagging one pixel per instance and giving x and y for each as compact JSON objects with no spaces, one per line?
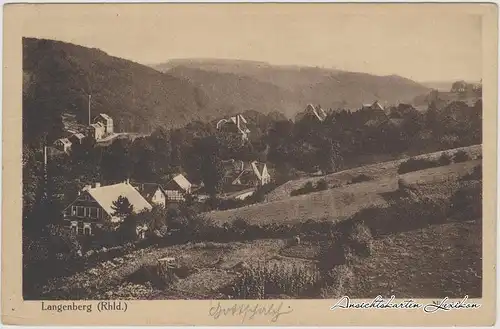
{"x":152,"y":192}
{"x":96,"y":131}
{"x":106,"y":121}
{"x":63,"y":144}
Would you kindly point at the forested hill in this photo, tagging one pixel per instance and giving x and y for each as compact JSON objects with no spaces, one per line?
{"x":58,"y":76}
{"x":250,"y":85}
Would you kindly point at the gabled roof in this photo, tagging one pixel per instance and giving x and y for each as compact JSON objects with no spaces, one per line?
{"x":181,"y":181}
{"x":148,"y":190}
{"x":233,"y":165}
{"x":374,"y":105}
{"x":104,"y":116}
{"x":318,"y":112}
{"x":106,"y":195}
{"x":241,"y":125}
{"x":65,"y":141}
{"x":78,"y":135}
{"x":258,"y":168}
{"x":237,"y":169}
{"x":97,"y":125}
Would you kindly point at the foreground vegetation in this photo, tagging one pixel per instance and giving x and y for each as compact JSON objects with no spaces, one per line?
{"x":331,"y":258}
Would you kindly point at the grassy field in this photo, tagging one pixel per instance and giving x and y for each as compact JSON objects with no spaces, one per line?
{"x":436,"y":261}
{"x":377,"y":171}
{"x":342,"y":202}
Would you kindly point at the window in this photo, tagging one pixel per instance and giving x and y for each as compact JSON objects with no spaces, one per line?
{"x":73,"y":210}
{"x":74,"y":227}
{"x":87,"y":229}
{"x":93,"y":212}
{"x":80,"y":211}
{"x":174,"y":196}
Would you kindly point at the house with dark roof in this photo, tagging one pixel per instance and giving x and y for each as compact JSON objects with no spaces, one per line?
{"x":315,"y":112}
{"x":76,"y":138}
{"x":177,"y":188}
{"x":235,"y":124}
{"x":94,"y":206}
{"x":63,"y":145}
{"x":152,"y":192}
{"x":241,"y":175}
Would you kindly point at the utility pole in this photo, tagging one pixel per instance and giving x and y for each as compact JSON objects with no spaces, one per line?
{"x":89,"y":110}
{"x":45,"y":171}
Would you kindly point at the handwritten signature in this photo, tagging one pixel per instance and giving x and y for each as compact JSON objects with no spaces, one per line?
{"x":249,"y":311}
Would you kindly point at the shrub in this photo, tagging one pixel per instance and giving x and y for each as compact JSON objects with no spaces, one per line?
{"x":336,"y":281}
{"x":475,"y":174}
{"x":403,"y":184}
{"x":408,"y":213}
{"x":267,"y":280}
{"x":444,"y":159}
{"x":466,"y":203}
{"x":308,"y":187}
{"x":361,"y":239}
{"x":413,"y":164}
{"x":360,"y":178}
{"x":321,"y":185}
{"x":461,"y":156}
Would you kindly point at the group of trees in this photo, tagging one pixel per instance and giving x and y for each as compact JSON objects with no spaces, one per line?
{"x":198,"y":149}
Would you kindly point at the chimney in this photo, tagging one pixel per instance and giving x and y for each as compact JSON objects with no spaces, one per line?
{"x":97,"y":184}
{"x":127,"y":181}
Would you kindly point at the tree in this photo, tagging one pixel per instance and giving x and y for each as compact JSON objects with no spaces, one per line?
{"x":329,"y":157}
{"x":122,"y":207}
{"x":210,"y":164}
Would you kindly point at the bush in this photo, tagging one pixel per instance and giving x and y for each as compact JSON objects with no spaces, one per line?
{"x":360,"y":178}
{"x":413,"y":164}
{"x":268,"y":280}
{"x":309,"y":188}
{"x":475,"y":174}
{"x":321,"y":185}
{"x":336,"y":281}
{"x":461,"y":156}
{"x":361,"y":239}
{"x":466,"y":203}
{"x":406,"y":214}
{"x":444,"y":159}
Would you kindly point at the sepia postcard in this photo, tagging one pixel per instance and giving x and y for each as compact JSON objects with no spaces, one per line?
{"x":249,"y":164}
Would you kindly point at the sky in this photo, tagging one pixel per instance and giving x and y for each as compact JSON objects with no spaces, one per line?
{"x":420,"y":43}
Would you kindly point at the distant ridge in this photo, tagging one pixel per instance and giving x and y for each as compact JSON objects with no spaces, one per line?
{"x":260,"y":86}
{"x":58,"y":76}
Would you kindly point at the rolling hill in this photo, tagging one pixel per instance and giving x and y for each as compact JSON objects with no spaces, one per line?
{"x":250,"y":85}
{"x":58,"y":76}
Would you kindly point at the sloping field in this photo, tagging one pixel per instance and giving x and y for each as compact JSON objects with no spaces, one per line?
{"x":437,"y":261}
{"x":377,"y":170}
{"x":109,"y":279}
{"x":342,"y":202}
